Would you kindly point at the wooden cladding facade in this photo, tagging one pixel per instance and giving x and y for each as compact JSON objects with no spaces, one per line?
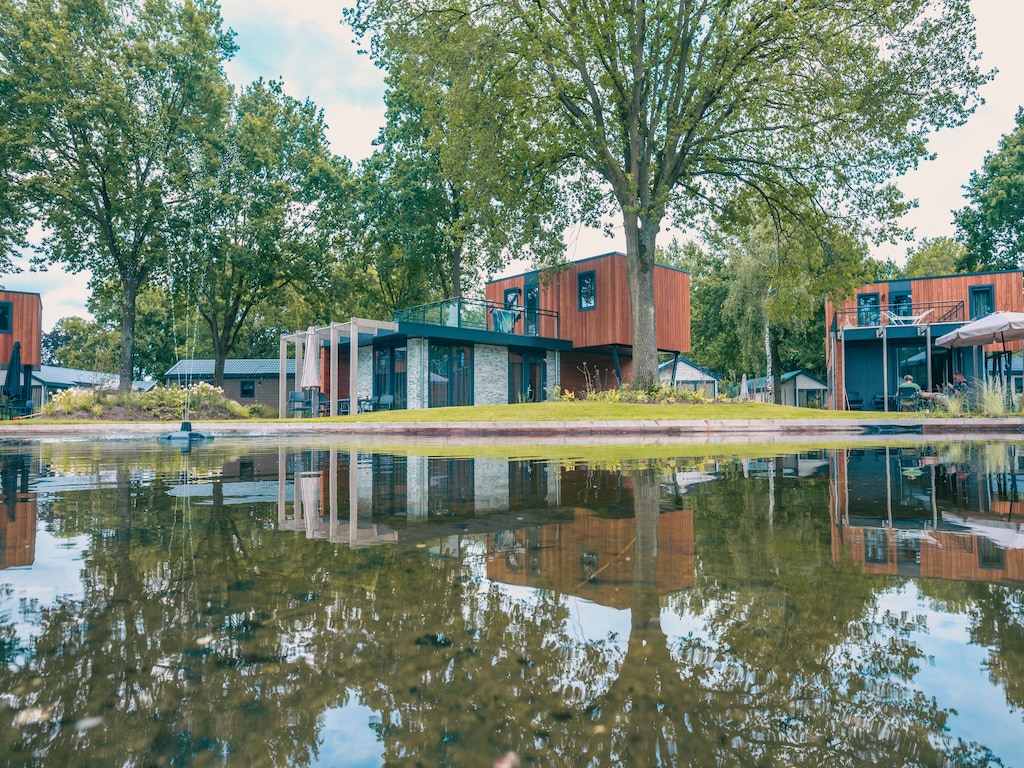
{"x":608,"y":321}
{"x":24,"y":323}
{"x":944,"y":292}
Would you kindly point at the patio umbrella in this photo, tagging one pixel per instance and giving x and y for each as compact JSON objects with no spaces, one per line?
{"x":744,"y":393}
{"x":998,"y":326}
{"x":12,"y":384}
{"x":311,"y":361}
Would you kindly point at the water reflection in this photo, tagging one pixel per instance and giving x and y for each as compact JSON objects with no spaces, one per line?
{"x":268,"y":604}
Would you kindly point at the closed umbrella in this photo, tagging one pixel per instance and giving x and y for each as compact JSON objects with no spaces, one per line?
{"x":311,"y":362}
{"x":744,"y":392}
{"x":12,"y":384}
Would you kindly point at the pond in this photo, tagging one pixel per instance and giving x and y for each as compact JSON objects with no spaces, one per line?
{"x":272,"y":603}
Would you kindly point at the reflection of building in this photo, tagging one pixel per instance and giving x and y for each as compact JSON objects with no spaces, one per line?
{"x":905,"y":512}
{"x":592,"y":556}
{"x":568,"y":529}
{"x":18,"y":519}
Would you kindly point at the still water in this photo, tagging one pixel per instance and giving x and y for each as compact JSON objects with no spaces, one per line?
{"x":256,"y":603}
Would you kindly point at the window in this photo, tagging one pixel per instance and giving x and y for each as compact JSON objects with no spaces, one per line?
{"x":6,"y":317}
{"x":511,"y":298}
{"x":901,"y":304}
{"x":867,"y":309}
{"x":527,"y":377}
{"x":451,"y":375}
{"x":587,"y":286}
{"x":983,"y":301}
{"x":247,"y":388}
{"x":390,"y":375}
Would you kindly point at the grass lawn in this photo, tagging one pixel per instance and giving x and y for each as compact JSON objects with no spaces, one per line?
{"x":598,"y":411}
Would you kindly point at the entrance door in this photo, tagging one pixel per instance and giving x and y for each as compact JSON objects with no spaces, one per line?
{"x":527,"y":377}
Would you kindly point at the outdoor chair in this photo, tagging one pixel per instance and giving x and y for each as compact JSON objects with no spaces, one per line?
{"x":298,"y":405}
{"x":323,"y":405}
{"x":908,"y":398}
{"x":385,"y":403}
{"x":854,"y":401}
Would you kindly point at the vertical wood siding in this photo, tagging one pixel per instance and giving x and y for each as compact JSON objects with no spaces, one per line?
{"x":26,"y":327}
{"x":609,"y":322}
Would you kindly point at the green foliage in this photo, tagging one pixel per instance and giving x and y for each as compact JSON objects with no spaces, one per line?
{"x":84,"y":344}
{"x":106,"y":104}
{"x":992,"y":224}
{"x":671,"y":109}
{"x":458,"y":186}
{"x":934,"y":256}
{"x":202,"y":400}
{"x":259,"y":215}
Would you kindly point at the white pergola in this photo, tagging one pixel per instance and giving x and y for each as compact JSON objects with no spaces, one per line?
{"x":333,"y":334}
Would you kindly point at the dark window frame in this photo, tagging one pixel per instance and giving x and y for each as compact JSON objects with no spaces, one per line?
{"x":512,"y":298}
{"x":869,"y":314}
{"x":247,"y":384}
{"x":978,"y":290}
{"x":6,"y":314}
{"x":584,"y":277}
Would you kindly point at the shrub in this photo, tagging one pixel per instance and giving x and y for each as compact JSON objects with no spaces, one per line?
{"x":202,"y":401}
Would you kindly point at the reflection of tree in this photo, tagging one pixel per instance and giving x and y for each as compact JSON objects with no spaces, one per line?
{"x":996,"y":614}
{"x":191,"y":638}
{"x":796,"y":651}
{"x":204,"y":635}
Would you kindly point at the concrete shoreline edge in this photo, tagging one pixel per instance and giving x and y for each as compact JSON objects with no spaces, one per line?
{"x":521,"y":430}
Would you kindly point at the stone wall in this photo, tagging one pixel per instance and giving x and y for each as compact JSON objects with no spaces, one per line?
{"x":490,"y":375}
{"x":417,"y":371}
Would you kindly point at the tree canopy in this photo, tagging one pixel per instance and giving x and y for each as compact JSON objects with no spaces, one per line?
{"x":669,"y":108}
{"x":259,"y":214}
{"x":104,"y":105}
{"x":991,"y":225}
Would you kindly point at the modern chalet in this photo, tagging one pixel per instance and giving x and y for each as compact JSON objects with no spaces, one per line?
{"x":568,"y":327}
{"x":888,"y":330}
{"x":21,"y":325}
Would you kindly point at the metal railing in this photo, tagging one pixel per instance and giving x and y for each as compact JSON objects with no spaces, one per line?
{"x":481,"y":315}
{"x":919,"y":313}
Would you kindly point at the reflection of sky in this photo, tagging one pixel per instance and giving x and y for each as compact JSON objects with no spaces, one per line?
{"x":953,"y":672}
{"x":53,"y":575}
{"x":347,"y":738}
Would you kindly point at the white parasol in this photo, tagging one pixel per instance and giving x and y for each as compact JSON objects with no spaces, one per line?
{"x":744,"y":393}
{"x":995,"y":327}
{"x":310,"y":361}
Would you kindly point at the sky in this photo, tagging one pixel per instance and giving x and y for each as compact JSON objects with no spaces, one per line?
{"x":303,"y":43}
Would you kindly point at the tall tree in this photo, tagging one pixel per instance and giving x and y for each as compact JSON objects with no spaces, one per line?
{"x":259,"y":216}
{"x":784,"y":268}
{"x":991,"y":225}
{"x":108,"y":101}
{"x":448,"y":201}
{"x":671,"y":107}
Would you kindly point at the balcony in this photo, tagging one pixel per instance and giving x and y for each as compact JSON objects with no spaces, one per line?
{"x":920,"y":313}
{"x":480,"y":315}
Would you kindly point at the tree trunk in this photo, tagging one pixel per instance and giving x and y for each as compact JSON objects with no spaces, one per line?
{"x":640,"y":243}
{"x":219,"y":356}
{"x":127,"y":367}
{"x":774,"y":340}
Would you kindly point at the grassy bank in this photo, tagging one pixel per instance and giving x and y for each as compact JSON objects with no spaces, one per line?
{"x":600,"y":411}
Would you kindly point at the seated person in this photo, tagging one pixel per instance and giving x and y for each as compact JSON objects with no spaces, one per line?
{"x":909,"y":385}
